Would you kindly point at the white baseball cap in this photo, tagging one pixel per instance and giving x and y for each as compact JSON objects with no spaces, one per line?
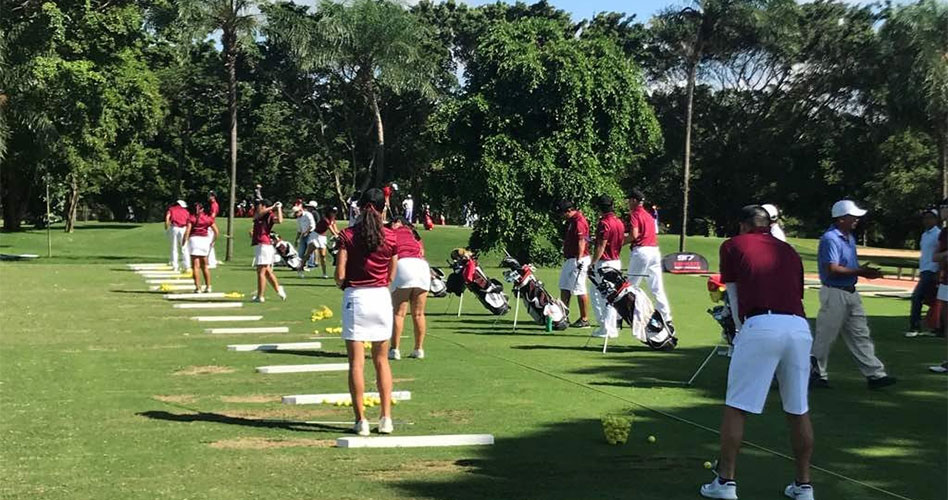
{"x":312,"y":204}
{"x":771,"y":211}
{"x":182,"y":204}
{"x":847,"y":207}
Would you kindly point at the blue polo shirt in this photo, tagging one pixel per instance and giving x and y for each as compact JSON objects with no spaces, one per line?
{"x":837,"y":248}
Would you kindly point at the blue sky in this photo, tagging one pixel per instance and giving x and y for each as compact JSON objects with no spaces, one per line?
{"x":585,"y":9}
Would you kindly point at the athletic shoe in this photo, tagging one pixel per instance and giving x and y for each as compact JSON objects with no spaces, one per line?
{"x":417,"y":354}
{"x":207,"y":289}
{"x":942,"y":368}
{"x":580,"y":323}
{"x":258,"y":299}
{"x":197,"y":290}
{"x":325,"y":276}
{"x":386,"y":426}
{"x":394,"y":354}
{"x":717,"y":489}
{"x":799,"y":491}
{"x":282,"y":293}
{"x":880,"y":382}
{"x":362,"y":428}
{"x":917,"y":333}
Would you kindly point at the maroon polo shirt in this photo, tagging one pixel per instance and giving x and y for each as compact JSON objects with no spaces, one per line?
{"x":611,"y":230}
{"x":365,"y":269}
{"x":577,"y":229}
{"x":641,"y":219}
{"x":768,"y":273}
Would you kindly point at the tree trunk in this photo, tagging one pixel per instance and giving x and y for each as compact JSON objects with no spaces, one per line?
{"x":380,"y":137}
{"x":73,"y":204}
{"x":686,"y":176}
{"x":339,"y":194}
{"x":230,"y":41}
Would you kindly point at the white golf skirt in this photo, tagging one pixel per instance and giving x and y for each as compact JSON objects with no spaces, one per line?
{"x":264,"y":255}
{"x":943,"y":293}
{"x":412,"y":273}
{"x":320,"y":241}
{"x":199,"y":246}
{"x":367,"y":314}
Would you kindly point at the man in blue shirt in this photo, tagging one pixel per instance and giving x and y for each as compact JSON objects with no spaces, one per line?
{"x":841,"y":308}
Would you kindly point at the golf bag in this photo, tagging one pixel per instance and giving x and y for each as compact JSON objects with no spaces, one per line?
{"x":635,"y":308}
{"x":539,"y":303}
{"x":438,"y":287}
{"x":467,"y":274}
{"x":287,"y":253}
{"x":722,"y":312}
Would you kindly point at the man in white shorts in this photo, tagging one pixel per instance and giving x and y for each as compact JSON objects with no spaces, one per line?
{"x":645,"y":260}
{"x":576,"y":251}
{"x":774,"y":339}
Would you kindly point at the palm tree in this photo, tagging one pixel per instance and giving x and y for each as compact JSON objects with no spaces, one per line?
{"x":369,"y":44}
{"x":234,"y":19}
{"x":686,"y":38}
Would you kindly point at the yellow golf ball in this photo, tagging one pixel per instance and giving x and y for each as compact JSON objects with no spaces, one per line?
{"x":651,"y":439}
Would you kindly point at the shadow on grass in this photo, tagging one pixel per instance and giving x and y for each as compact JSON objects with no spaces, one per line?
{"x":83,"y":227}
{"x":217,"y":418}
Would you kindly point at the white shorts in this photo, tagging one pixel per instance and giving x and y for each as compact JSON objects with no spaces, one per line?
{"x":319,"y":241}
{"x":770,"y":344}
{"x":199,"y":246}
{"x":264,"y":255}
{"x":943,"y":293}
{"x":367,"y":314}
{"x":572,"y":279}
{"x":412,"y":273}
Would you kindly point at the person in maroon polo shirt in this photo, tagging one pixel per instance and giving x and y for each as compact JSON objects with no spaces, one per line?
{"x":576,"y":251}
{"x":176,"y":222}
{"x":264,"y":254}
{"x":645,"y":259}
{"x":764,"y":279}
{"x":610,"y":232}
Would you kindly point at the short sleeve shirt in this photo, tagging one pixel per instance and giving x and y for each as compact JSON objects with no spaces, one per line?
{"x":645,"y":223}
{"x":366,"y":268}
{"x":215,"y":208}
{"x":261,"y":229}
{"x":577,"y":229}
{"x":179,"y":215}
{"x":200,"y":224}
{"x":323,"y":225}
{"x":305,"y":222}
{"x":767,"y":271}
{"x":611,"y":230}
{"x":408,"y":245}
{"x":837,"y":248}
{"x":928,"y":243}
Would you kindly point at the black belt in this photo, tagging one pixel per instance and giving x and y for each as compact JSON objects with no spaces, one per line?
{"x":850,"y":288}
{"x":761,"y":312}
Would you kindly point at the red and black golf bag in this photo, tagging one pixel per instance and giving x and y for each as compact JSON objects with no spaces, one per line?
{"x":635,"y":308}
{"x":538,"y":301}
{"x":468,"y":274}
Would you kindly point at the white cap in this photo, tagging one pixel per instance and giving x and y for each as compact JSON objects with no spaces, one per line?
{"x":312,"y":204}
{"x":847,"y":207}
{"x":771,"y":211}
{"x":182,"y":204}
{"x":395,"y":186}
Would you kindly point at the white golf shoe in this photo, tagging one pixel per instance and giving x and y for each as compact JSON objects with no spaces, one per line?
{"x":417,"y":354}
{"x":257,"y":298}
{"x":282,"y":293}
{"x":386,"y":426}
{"x":362,"y":428}
{"x":714,"y":489}
{"x":394,"y":354}
{"x":799,"y":492}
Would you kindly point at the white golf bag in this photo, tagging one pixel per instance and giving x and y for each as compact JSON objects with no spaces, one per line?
{"x":635,"y":307}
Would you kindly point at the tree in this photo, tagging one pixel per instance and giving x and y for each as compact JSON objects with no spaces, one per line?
{"x":687,"y":38}
{"x":915,"y":45}
{"x":547,"y":116}
{"x":201,"y":18}
{"x":367,"y":44}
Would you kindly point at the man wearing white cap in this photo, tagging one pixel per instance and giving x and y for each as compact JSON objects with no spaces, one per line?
{"x":841,"y":308}
{"x":305,"y":224}
{"x":176,"y":222}
{"x":774,"y":215}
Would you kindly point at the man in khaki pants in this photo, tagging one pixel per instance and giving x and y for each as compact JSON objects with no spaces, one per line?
{"x":841,"y":308}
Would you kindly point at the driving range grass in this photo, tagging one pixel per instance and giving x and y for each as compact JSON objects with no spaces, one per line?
{"x":109,"y":393}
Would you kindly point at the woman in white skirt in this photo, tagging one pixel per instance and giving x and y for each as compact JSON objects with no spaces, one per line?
{"x":199,"y":236}
{"x":411,"y":285}
{"x":264,"y":254}
{"x":366,"y":265}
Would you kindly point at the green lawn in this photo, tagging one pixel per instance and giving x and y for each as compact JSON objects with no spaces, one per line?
{"x":98,"y":401}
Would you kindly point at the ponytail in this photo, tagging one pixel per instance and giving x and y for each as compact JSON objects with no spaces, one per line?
{"x":370,"y":220}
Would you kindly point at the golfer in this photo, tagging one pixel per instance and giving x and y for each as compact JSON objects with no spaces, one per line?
{"x":214,"y":209}
{"x":774,"y":213}
{"x":408,"y":209}
{"x":575,"y":249}
{"x":764,"y":278}
{"x":927,"y":285}
{"x":646,"y":259}
{"x":840,"y":305}
{"x":176,"y":222}
{"x":264,"y":254}
{"x":411,"y":285}
{"x":941,"y":257}
{"x":199,"y":236}
{"x":305,"y":235}
{"x":610,"y":232}
{"x":320,"y":240}
{"x":367,"y":262}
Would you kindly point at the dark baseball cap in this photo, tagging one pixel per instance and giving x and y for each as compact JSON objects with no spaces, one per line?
{"x":563,"y":206}
{"x":636,"y":193}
